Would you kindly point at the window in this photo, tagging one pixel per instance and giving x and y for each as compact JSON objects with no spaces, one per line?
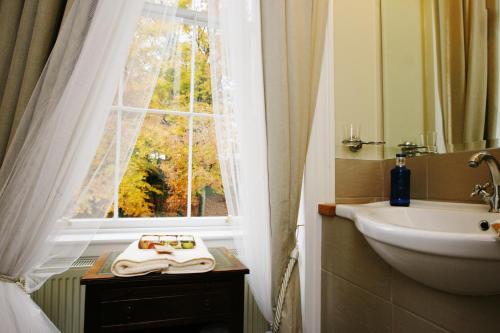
{"x":173,"y":174}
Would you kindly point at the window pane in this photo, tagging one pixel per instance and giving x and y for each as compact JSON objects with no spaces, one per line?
{"x":207,"y":191}
{"x":199,"y":5}
{"x":155,"y":183}
{"x":202,"y":86}
{"x":94,"y":200}
{"x":156,"y":46}
{"x":172,"y":89}
{"x":185,"y":4}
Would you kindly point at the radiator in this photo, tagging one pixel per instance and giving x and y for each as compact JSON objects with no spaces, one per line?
{"x":63,"y":300}
{"x":254,"y":321}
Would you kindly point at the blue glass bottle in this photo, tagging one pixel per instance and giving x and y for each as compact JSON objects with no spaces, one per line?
{"x":400,"y":182}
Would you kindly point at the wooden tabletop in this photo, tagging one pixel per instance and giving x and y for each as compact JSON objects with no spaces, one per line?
{"x":100,"y":273}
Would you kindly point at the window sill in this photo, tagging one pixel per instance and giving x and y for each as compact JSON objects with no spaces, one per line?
{"x":118,"y":239}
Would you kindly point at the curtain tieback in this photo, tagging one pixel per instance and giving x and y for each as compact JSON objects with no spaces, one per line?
{"x":19,"y":281}
{"x":292,"y":259}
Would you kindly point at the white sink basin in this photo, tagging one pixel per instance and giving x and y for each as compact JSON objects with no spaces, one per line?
{"x":438,"y":244}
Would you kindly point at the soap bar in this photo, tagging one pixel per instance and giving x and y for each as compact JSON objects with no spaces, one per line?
{"x":164,"y":249}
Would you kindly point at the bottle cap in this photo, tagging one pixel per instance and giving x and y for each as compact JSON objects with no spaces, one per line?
{"x":401,"y":155}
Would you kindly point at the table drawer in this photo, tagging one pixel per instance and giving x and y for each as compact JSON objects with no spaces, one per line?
{"x":164,"y":308}
{"x":167,"y":303}
{"x":154,"y":290}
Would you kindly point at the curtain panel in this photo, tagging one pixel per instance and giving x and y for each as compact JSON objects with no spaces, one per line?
{"x":238,"y":97}
{"x":293,"y":33}
{"x":492,"y":102}
{"x":463,"y":45}
{"x":65,"y":147}
{"x":28,"y":31}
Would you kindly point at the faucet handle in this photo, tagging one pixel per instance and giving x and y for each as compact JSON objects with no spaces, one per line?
{"x":480,"y":190}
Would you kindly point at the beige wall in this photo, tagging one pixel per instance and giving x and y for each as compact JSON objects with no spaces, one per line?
{"x":402,"y":64}
{"x":357,"y":73}
{"x":379,"y":73}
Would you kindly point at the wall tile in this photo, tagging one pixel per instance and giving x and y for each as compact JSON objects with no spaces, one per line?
{"x":347,"y":308}
{"x":357,"y":285}
{"x":345,"y":252}
{"x":388,"y":165}
{"x":438,"y":177}
{"x":453,"y":312}
{"x":451,"y":179}
{"x":358,"y":178}
{"x":356,"y":201}
{"x":406,"y":322}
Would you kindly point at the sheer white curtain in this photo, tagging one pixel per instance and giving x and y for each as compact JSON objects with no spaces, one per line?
{"x":238,"y":95}
{"x":67,"y":151}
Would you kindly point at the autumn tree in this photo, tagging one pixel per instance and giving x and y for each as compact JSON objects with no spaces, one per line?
{"x":155,"y":183}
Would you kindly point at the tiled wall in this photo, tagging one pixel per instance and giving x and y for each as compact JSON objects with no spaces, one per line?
{"x":362,"y":293}
{"x":359,"y":181}
{"x":439,"y":177}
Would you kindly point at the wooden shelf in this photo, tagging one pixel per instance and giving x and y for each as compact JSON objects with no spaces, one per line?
{"x":327,"y":209}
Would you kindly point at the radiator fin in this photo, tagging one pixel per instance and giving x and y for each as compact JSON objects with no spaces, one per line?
{"x":254,"y":320}
{"x":63,"y":300}
{"x":84,"y":262}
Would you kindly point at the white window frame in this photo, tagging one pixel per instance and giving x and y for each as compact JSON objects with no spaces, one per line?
{"x":182,"y":223}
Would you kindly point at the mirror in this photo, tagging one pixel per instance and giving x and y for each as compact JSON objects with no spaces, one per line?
{"x":440,"y":72}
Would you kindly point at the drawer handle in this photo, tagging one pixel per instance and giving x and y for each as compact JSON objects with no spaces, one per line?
{"x":128,"y":311}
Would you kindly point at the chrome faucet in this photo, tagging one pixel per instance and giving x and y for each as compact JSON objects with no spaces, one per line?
{"x":492,"y":197}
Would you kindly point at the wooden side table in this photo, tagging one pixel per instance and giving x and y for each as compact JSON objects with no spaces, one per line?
{"x":191,"y":302}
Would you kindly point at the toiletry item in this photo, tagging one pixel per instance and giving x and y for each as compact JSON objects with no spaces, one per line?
{"x":178,"y":242}
{"x":496,"y":227}
{"x":400,"y":182}
{"x":164,"y":249}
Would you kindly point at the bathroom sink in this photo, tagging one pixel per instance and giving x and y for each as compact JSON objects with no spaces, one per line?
{"x":436,"y":243}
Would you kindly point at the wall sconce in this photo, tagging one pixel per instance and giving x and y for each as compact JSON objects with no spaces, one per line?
{"x":353,"y":138}
{"x":427,"y":145}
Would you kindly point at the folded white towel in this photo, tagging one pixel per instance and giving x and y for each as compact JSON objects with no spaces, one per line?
{"x":135,"y":262}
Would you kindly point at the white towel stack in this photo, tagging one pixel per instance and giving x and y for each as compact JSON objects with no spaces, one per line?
{"x":135,"y":262}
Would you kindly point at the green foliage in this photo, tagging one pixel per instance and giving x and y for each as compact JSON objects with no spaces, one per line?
{"x":135,"y":191}
{"x":184,"y":4}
